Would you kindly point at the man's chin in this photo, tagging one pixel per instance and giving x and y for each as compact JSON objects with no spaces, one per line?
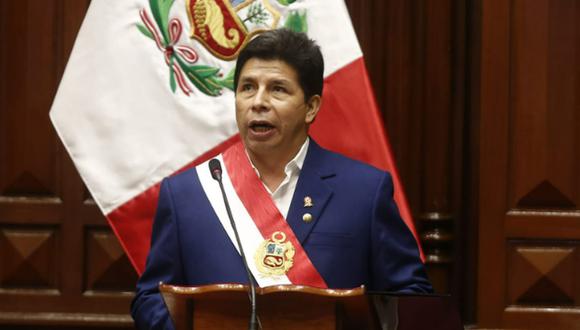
{"x":258,"y":147}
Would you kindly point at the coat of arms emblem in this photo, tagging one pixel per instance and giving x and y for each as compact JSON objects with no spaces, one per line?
{"x":222,"y":27}
{"x":275,"y":256}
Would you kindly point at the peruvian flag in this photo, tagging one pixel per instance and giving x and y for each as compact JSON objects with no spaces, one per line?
{"x":147,"y":92}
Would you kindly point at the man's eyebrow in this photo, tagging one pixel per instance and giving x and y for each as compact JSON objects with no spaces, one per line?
{"x":253,"y":78}
{"x":247,"y":78}
{"x":281,"y":81}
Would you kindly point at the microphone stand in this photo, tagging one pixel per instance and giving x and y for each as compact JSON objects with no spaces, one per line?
{"x":216,"y":173}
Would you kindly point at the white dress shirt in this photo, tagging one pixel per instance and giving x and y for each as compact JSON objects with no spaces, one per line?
{"x":282,"y":196}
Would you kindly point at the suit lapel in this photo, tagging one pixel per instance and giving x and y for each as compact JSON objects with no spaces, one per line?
{"x":311,"y":183}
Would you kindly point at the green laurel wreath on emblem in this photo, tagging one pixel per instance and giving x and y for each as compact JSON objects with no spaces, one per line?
{"x":286,"y":2}
{"x":206,"y":78}
{"x":256,"y":14}
{"x":296,"y":21}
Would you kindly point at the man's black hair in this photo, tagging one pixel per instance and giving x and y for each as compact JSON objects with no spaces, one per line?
{"x":295,"y":49}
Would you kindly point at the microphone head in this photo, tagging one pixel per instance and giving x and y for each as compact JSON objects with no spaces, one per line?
{"x":215,"y":167}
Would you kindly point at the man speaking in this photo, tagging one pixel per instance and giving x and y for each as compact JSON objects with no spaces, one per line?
{"x":305,"y":215}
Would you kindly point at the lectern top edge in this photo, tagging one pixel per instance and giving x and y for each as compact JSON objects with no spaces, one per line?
{"x":193,"y":290}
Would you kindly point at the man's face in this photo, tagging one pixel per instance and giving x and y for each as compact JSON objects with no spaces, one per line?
{"x":271,"y":113}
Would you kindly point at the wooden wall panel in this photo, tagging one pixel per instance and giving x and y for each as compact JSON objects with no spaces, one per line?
{"x":29,"y":257}
{"x":543,"y":273}
{"x":60,"y":264}
{"x":31,"y":163}
{"x":543,"y":154}
{"x":529,"y":179}
{"x":107,"y":268}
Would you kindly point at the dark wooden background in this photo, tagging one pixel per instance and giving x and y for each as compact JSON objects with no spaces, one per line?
{"x":481,"y":100}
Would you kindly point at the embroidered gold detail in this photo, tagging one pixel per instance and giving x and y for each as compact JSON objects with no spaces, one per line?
{"x":275,"y":256}
{"x":208,"y":15}
{"x":216,"y":24}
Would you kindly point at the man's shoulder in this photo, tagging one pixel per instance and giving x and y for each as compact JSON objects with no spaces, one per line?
{"x":185,"y":177}
{"x":344,"y":164}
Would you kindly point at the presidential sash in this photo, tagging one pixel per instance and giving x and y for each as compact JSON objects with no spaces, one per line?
{"x":273,"y":253}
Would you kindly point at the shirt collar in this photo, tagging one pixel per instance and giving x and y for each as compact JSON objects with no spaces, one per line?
{"x":295,"y":164}
{"x":298,"y":160}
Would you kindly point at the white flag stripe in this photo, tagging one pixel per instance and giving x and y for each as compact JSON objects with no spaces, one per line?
{"x":117,"y":116}
{"x":250,"y":235}
{"x":336,"y":36}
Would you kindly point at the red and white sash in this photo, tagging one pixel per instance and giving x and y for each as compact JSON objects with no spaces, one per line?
{"x":257,"y":218}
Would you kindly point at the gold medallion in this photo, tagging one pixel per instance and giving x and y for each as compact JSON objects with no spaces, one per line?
{"x":308,"y":201}
{"x":275,"y":255}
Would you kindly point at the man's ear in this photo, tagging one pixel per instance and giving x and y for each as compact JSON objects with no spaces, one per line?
{"x":312,"y":107}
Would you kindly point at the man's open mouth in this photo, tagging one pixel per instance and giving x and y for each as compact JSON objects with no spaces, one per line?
{"x":261,"y":126}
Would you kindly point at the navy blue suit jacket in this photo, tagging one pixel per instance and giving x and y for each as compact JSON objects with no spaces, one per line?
{"x":357,"y":236}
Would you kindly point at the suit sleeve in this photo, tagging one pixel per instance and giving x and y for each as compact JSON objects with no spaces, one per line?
{"x":396,"y":265}
{"x":163,"y":265}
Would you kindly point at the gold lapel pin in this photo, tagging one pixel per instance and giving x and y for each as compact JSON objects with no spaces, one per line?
{"x":307,"y":217}
{"x":308,"y":201}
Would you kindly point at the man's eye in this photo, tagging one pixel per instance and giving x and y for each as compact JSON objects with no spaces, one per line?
{"x":279,"y":89}
{"x":247,"y":87}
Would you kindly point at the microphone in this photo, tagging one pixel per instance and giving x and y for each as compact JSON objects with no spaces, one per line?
{"x":215,"y":168}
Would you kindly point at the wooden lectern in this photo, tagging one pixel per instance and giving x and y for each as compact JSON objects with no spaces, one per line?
{"x":227,"y":306}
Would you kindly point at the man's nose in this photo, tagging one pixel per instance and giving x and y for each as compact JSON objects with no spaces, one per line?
{"x":261,"y":101}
